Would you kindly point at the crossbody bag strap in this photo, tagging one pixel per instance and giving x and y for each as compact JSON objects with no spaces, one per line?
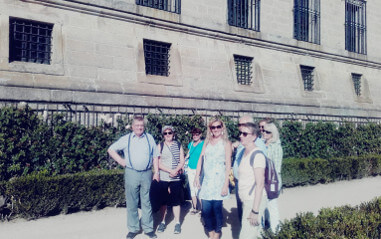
{"x":173,"y":156}
{"x":252,"y":164}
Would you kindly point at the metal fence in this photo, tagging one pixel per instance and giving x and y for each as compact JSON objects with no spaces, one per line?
{"x":96,"y":115}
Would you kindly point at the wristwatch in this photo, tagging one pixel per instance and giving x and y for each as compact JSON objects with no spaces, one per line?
{"x":252,"y":210}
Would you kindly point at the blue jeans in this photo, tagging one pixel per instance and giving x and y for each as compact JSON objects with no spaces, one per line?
{"x":137,"y":186}
{"x":212,"y":215}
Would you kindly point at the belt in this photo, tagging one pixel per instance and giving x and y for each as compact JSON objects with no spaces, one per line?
{"x":144,"y":170}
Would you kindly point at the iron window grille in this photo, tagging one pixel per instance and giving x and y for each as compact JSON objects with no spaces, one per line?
{"x":355,"y":26}
{"x":243,"y":68}
{"x":156,"y":56}
{"x":244,"y":14}
{"x":307,"y":20}
{"x":30,"y":41}
{"x":356,"y":78}
{"x":308,"y":77}
{"x":165,"y":5}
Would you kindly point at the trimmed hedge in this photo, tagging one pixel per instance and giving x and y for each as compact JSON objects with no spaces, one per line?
{"x":39,"y":195}
{"x":327,"y":140}
{"x":297,"y":172}
{"x":360,"y":222}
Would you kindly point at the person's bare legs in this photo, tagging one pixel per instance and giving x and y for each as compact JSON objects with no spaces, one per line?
{"x":163,"y":213}
{"x":217,"y":235}
{"x":212,"y":234}
{"x":176,"y":213}
{"x":194,"y":202}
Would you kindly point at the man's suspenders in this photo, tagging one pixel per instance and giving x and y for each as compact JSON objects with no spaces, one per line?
{"x":149,"y":150}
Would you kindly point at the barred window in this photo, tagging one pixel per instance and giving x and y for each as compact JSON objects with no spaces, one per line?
{"x":156,"y":56}
{"x":30,"y":41}
{"x":308,"y":77}
{"x":243,"y":68}
{"x":356,"y":78}
{"x":244,"y":14}
{"x":307,"y":20}
{"x":355,"y":26}
{"x":165,"y":5}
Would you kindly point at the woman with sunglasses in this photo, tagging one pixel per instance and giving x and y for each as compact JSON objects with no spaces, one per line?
{"x":274,"y":152}
{"x":193,"y":156}
{"x":171,"y":163}
{"x":215,"y":161}
{"x":251,"y":183}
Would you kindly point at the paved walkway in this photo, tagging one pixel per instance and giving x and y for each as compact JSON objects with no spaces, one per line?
{"x":110,"y":223}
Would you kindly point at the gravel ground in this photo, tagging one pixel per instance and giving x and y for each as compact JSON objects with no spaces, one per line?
{"x":111,"y":222}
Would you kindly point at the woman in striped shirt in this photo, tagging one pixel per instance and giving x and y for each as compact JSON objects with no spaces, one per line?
{"x":171,"y":163}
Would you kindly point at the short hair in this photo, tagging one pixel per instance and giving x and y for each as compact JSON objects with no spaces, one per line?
{"x":246,"y":118}
{"x":165,"y":127}
{"x":138,"y":118}
{"x":196,"y":130}
{"x":253,"y":128}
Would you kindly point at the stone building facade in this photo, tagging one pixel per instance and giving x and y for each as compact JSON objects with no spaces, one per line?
{"x":286,"y":59}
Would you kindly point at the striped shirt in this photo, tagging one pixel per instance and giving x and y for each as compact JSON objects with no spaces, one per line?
{"x":170,"y":158}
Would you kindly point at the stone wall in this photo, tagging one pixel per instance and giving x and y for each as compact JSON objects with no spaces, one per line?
{"x":98,"y":59}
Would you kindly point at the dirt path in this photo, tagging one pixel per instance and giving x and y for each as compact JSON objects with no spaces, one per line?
{"x":111,"y":222}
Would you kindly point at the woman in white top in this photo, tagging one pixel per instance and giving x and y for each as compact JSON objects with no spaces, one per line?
{"x":251,"y":183}
{"x":215,"y":161}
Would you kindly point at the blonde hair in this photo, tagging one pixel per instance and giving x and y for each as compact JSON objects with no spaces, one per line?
{"x":209,"y":133}
{"x":274,"y":131}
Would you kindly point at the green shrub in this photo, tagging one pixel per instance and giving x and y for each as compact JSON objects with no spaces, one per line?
{"x":183,"y":125}
{"x":297,"y":172}
{"x":327,"y":140}
{"x":362,"y":221}
{"x":22,"y":142}
{"x":75,"y":148}
{"x":39,"y":195}
{"x":27,"y":144}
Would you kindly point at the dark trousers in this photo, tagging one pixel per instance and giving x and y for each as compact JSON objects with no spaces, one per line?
{"x":239,"y":202}
{"x":212,"y":215}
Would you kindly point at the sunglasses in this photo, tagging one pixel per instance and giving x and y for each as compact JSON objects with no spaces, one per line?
{"x":245,"y":134}
{"x":267,"y":132}
{"x":216,"y":127}
{"x":167,"y":133}
{"x":261,"y":126}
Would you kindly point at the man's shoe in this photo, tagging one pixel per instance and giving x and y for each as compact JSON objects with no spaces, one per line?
{"x":177,"y":228}
{"x":131,"y":235}
{"x":151,"y":235}
{"x":161,"y":227}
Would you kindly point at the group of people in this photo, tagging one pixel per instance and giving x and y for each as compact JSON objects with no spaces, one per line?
{"x":208,"y":165}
